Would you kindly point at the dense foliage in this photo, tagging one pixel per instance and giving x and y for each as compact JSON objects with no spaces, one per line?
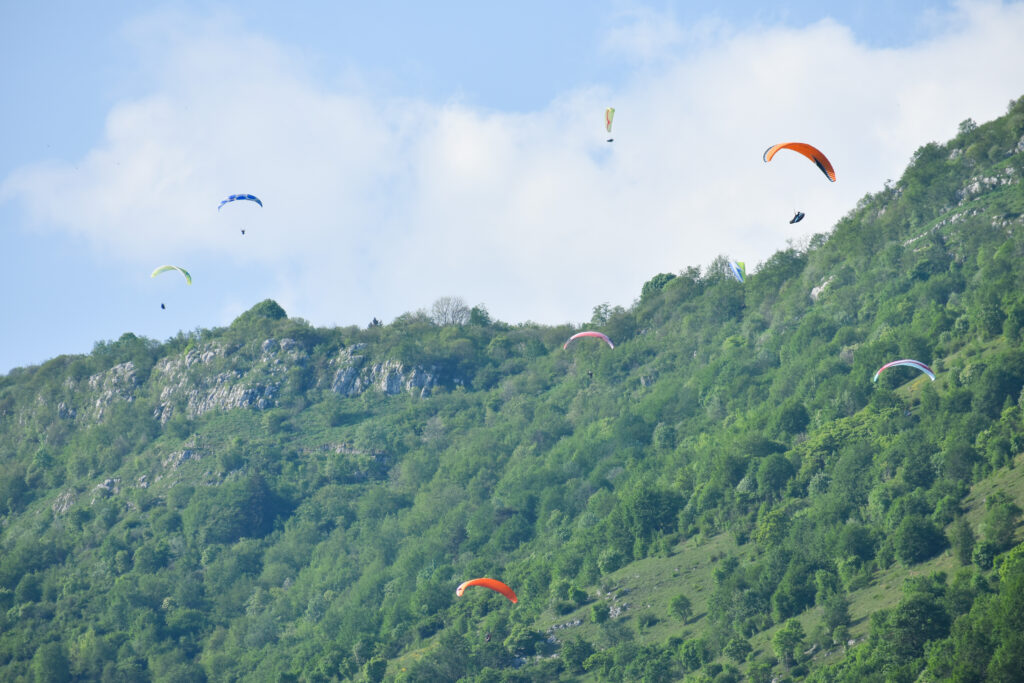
{"x":241,"y":503}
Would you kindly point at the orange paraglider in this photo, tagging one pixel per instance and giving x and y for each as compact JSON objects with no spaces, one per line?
{"x":493,"y":584}
{"x":812,"y":153}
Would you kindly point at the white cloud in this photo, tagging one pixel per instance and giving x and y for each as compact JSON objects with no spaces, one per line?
{"x":644,"y":34}
{"x":375,"y":207}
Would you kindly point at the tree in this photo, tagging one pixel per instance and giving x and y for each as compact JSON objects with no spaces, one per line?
{"x":961,"y":538}
{"x":681,"y":607}
{"x":841,"y":636}
{"x":664,"y":437}
{"x":655,"y":285}
{"x":760,"y":672}
{"x":772,"y":474}
{"x":1001,"y":379}
{"x":1007,"y":663}
{"x":574,"y":652}
{"x":856,"y":540}
{"x":772,"y":527}
{"x":787,"y":639}
{"x":449,"y":310}
{"x":375,"y":669}
{"x":837,"y":611}
{"x":792,"y":417}
{"x":916,"y":620}
{"x":917,"y":539}
{"x":693,"y":653}
{"x":478,"y":315}
{"x":737,"y":648}
{"x":1000,"y":522}
{"x":984,"y":554}
{"x":50,"y":664}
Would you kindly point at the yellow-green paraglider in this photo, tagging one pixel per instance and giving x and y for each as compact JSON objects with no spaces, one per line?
{"x":164,"y":269}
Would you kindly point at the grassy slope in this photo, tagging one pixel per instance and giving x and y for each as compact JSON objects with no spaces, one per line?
{"x":647,"y":586}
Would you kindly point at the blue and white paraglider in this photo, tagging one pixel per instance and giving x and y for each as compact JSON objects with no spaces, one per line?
{"x":238,"y":197}
{"x":908,"y":362}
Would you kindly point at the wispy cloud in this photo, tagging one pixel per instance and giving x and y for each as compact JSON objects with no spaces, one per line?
{"x":376,"y":206}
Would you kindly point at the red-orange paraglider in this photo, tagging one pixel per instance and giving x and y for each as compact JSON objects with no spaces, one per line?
{"x":812,"y":153}
{"x":493,"y":584}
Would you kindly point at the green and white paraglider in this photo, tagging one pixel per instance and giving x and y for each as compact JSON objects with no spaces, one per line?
{"x":164,"y":269}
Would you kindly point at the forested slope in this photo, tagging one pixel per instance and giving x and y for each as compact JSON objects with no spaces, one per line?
{"x":274,"y":501}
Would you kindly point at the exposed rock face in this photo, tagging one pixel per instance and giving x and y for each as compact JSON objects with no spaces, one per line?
{"x":816,"y":292}
{"x":980,"y":186}
{"x":66,"y":412}
{"x":213,"y":378}
{"x":116,"y":384}
{"x":108,"y":487}
{"x":346,"y":379}
{"x":174,"y":460}
{"x":63,"y":503}
{"x":216,"y":376}
{"x":193,"y":382}
{"x":391,"y":377}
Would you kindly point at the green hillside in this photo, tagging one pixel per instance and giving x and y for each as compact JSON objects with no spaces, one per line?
{"x":725,"y":495}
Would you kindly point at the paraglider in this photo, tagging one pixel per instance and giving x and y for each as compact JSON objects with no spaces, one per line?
{"x":164,"y":269}
{"x":808,"y":151}
{"x":162,"y":307}
{"x":609,"y":114}
{"x":797,"y":218}
{"x":243,"y":231}
{"x":908,"y":362}
{"x":589,"y":333}
{"x":238,"y":197}
{"x":493,"y":584}
{"x":739,"y":270}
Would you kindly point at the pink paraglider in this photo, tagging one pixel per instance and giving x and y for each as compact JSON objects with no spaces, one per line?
{"x":589,"y":333}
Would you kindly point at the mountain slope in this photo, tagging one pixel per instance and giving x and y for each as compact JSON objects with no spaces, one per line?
{"x":275,"y":501}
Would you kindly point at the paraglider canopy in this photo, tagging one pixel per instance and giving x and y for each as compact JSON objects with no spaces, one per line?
{"x":908,"y":362}
{"x":164,"y":269}
{"x":493,"y":584}
{"x":238,"y":197}
{"x":589,"y":333}
{"x":739,"y":270}
{"x":812,"y":153}
{"x":609,"y":114}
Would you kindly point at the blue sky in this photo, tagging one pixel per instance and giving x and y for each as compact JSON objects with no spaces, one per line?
{"x":408,"y":151}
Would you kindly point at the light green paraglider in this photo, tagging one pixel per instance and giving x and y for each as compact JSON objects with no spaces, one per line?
{"x":164,"y":269}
